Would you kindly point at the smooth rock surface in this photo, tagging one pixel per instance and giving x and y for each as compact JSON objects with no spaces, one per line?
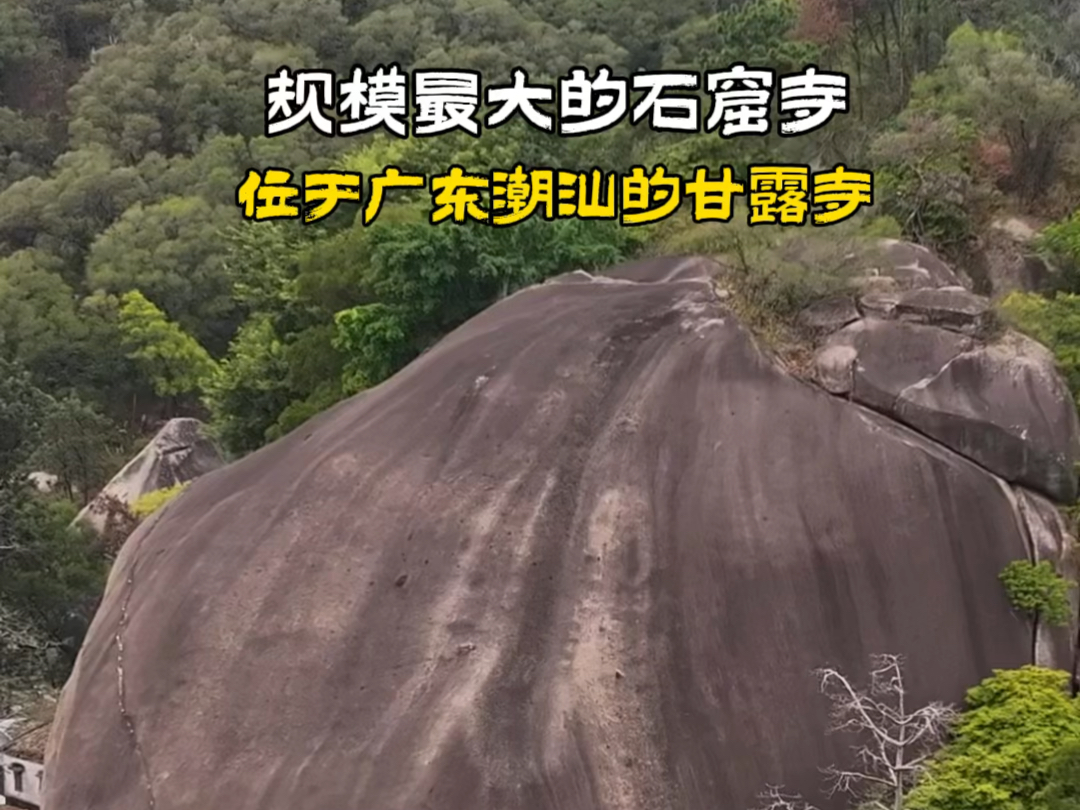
{"x":586,"y":481}
{"x":1005,"y":406}
{"x":891,"y":356}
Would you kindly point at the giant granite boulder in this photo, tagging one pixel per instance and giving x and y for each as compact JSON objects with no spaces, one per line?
{"x":583,"y":554}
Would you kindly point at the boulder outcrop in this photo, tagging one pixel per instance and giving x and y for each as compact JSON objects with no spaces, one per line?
{"x":1007,"y":259}
{"x":178,"y":453}
{"x":931,"y":359}
{"x":582,"y":554}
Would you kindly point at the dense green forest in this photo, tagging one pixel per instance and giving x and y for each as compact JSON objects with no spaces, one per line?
{"x":132,"y":289}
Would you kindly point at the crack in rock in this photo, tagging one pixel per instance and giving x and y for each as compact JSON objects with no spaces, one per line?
{"x":180,"y":448}
{"x":125,"y":715}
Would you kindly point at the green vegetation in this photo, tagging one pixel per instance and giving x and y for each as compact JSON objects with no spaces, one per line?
{"x":1013,"y":747}
{"x":154,"y":501}
{"x":52,"y":573}
{"x":1038,"y":590}
{"x":1062,"y":791}
{"x":1054,"y":322}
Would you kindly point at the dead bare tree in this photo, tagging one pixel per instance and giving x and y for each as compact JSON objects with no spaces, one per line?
{"x":898,"y":741}
{"x":774,"y":799}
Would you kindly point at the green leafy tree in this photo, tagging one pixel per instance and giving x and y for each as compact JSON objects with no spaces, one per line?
{"x":169,"y":85}
{"x":425,"y":281}
{"x":21,"y":36}
{"x":759,"y":32}
{"x":23,"y":409}
{"x":317,"y":24}
{"x":988,"y":78}
{"x":491,"y":36}
{"x":26,"y":148}
{"x":1038,"y":590}
{"x":377,"y":338}
{"x":75,"y":446}
{"x":300,"y":410}
{"x":173,"y":253}
{"x":251,"y":388}
{"x":261,"y":262}
{"x":173,"y":360}
{"x":927,"y":179}
{"x":63,"y":214}
{"x":51,"y":571}
{"x":889,"y":44}
{"x":1060,"y":243}
{"x":41,"y":325}
{"x":54,"y":573}
{"x":1062,"y":791}
{"x":1000,"y":753}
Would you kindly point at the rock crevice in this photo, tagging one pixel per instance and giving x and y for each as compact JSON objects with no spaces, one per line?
{"x":996,"y":399}
{"x":928,"y":355}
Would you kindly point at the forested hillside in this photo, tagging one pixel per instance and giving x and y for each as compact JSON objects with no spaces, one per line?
{"x":132,"y":289}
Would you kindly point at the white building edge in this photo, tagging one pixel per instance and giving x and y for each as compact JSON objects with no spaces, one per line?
{"x":21,"y":781}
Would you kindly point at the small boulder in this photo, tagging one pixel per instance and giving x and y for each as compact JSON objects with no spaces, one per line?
{"x":829,"y":314}
{"x":880,"y":304}
{"x":1007,"y":261}
{"x":914,"y":266}
{"x":834,"y":368}
{"x":948,"y":307}
{"x":43,"y":482}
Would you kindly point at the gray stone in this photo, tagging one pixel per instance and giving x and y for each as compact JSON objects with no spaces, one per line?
{"x":880,"y":304}
{"x":751,"y":528}
{"x":834,"y":368}
{"x":914,"y":266}
{"x":180,"y":452}
{"x":948,"y":307}
{"x":829,"y":315}
{"x":1007,"y":260}
{"x":1003,"y":405}
{"x":891,"y":356}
